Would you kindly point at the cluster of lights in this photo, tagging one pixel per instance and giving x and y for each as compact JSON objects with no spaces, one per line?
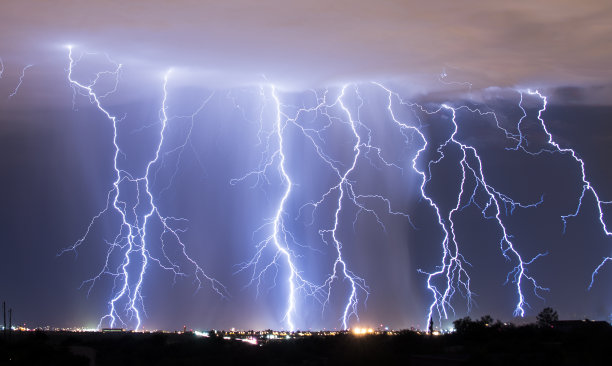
{"x":362,"y":331}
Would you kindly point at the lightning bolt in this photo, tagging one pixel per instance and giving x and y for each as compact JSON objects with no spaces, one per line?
{"x":1,"y":67}
{"x":340,"y":268}
{"x":346,"y":191}
{"x":587,"y":187}
{"x":586,"y":184}
{"x":454,"y":266}
{"x":281,"y":239}
{"x":20,"y":79}
{"x":179,"y":149}
{"x":130,"y":244}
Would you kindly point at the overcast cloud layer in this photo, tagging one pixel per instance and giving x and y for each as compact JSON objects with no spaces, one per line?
{"x":314,"y":43}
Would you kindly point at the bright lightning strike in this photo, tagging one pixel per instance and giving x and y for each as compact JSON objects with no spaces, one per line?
{"x":346,"y":191}
{"x":128,"y":254}
{"x":586,"y":184}
{"x":281,"y":239}
{"x":453,"y":268}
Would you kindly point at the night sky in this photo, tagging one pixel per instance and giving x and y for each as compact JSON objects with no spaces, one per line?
{"x":221,"y":172}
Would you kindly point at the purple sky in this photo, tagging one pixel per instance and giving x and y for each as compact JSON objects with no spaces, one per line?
{"x":56,"y":156}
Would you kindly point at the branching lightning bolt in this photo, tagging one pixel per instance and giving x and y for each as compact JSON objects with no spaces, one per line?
{"x":586,"y":184}
{"x":344,"y":189}
{"x":340,"y":268}
{"x":23,"y":71}
{"x":178,"y":150}
{"x":453,"y":267}
{"x":280,"y":238}
{"x":130,"y":242}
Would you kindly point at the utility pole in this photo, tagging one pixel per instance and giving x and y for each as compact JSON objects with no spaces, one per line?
{"x":4,"y":312}
{"x":10,"y":321}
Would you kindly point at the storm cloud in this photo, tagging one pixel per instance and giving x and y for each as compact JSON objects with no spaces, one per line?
{"x":317,"y":43}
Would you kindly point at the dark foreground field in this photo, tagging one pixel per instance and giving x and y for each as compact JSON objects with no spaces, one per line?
{"x":494,"y":346}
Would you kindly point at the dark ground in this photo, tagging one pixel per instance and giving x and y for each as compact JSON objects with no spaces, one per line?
{"x":527,"y":345}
